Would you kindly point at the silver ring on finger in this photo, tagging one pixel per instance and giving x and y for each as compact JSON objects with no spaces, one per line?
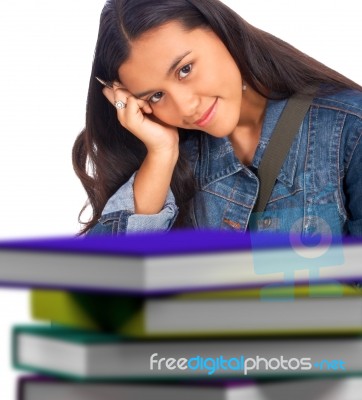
{"x":119,"y":104}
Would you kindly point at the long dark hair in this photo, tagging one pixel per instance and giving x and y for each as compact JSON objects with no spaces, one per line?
{"x":105,"y":154}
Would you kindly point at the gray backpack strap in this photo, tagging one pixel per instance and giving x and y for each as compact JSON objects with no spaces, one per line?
{"x":279,"y":145}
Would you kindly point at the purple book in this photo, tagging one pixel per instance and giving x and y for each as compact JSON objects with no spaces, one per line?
{"x":44,"y":388}
{"x":40,"y":388}
{"x":177,"y":261}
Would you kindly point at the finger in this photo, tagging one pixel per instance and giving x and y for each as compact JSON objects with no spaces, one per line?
{"x":133,"y":114}
{"x":120,"y":91}
{"x":147,"y":108}
{"x":118,"y":85}
{"x":112,"y":94}
{"x":112,"y":98}
{"x":109,"y":94}
{"x":120,"y":100}
{"x":120,"y":104}
{"x":130,"y":110}
{"x":133,"y":108}
{"x":143,"y":105}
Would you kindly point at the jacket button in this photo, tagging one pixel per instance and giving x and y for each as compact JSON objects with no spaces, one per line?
{"x":233,"y":224}
{"x":267,"y":222}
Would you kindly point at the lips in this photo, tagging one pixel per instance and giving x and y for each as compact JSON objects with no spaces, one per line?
{"x":207,"y":116}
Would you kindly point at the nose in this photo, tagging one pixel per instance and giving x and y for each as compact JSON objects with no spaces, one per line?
{"x":186,"y":103}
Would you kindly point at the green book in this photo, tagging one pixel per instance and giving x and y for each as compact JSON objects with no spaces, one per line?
{"x":66,"y":352}
{"x":307,"y":310}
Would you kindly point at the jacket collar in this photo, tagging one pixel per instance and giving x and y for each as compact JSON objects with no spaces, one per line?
{"x":218,"y":159}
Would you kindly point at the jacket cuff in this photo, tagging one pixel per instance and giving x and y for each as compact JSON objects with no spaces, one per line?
{"x":118,"y":215}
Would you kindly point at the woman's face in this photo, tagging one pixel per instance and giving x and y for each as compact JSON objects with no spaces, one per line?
{"x":188,"y":77}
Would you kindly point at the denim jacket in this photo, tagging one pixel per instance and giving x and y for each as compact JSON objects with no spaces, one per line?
{"x":318,"y":189}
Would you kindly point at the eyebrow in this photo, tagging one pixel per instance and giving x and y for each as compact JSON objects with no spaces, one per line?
{"x":173,"y":66}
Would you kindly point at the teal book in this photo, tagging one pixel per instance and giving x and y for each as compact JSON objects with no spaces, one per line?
{"x":89,"y":356}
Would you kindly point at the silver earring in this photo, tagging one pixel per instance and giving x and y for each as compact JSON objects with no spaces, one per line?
{"x":244,"y":87}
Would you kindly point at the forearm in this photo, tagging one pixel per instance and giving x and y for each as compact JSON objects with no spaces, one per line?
{"x":152,"y":182}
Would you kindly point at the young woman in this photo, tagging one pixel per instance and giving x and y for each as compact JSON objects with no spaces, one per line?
{"x":186,"y":99}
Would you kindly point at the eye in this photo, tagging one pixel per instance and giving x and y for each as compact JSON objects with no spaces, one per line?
{"x":184,"y":71}
{"x":156,"y":97}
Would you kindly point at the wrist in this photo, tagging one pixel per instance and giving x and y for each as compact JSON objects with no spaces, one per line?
{"x":164,"y":155}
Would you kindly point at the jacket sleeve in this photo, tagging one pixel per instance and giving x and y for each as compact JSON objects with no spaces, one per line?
{"x":353,"y":181}
{"x":118,"y":216}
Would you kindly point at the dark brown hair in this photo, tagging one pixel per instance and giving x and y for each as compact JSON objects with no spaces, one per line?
{"x":105,"y":154}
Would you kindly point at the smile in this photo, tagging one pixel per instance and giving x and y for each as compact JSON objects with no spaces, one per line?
{"x":208,"y":115}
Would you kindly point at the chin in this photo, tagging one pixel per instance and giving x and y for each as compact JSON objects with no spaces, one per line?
{"x":223,"y":132}
{"x":218,"y":134}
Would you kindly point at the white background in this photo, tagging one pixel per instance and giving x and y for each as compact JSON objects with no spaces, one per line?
{"x":46,"y":50}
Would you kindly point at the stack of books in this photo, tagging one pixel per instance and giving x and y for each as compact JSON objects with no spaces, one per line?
{"x":209,"y":315}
